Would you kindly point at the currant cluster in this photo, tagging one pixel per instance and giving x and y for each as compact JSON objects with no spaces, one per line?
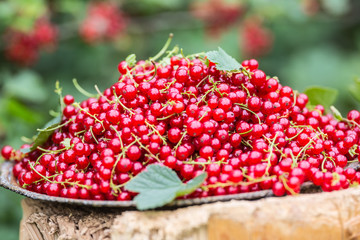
{"x":256,"y":39}
{"x":217,"y":15}
{"x":243,"y":128}
{"x":23,"y":47}
{"x":104,"y":21}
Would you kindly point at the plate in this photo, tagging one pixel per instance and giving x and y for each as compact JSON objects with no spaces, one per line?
{"x":8,"y":181}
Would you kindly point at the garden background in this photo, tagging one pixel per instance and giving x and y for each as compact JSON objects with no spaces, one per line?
{"x":303,"y":42}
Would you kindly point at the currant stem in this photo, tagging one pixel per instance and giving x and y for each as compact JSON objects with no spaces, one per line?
{"x":163,"y":50}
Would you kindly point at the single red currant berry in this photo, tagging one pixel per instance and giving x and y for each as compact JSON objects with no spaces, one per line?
{"x":258,"y":77}
{"x":213,"y":169}
{"x":174,"y":135}
{"x":133,"y":153}
{"x":113,"y":116}
{"x":196,"y":72}
{"x":278,"y":189}
{"x":68,"y":99}
{"x":129,"y":92}
{"x":181,"y":74}
{"x":6,"y":152}
{"x":53,"y":189}
{"x":195,"y":128}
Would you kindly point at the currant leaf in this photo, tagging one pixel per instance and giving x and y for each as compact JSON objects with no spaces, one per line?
{"x":43,"y":134}
{"x":223,"y":60}
{"x":355,"y":89}
{"x":321,"y":96}
{"x":154,"y":198}
{"x":154,"y":177}
{"x":159,"y":185}
{"x":192,"y":185}
{"x":131,"y":60}
{"x":25,"y":150}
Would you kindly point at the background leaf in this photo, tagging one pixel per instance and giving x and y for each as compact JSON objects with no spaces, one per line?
{"x":355,"y":89}
{"x":321,"y":95}
{"x":19,"y":110}
{"x":336,"y":7}
{"x":27,"y":86}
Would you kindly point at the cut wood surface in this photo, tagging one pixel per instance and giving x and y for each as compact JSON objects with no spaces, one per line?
{"x":327,"y":216}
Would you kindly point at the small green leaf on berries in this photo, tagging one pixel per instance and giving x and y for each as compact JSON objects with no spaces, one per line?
{"x":131,"y":60}
{"x":223,"y":60}
{"x":207,"y":62}
{"x":321,"y":95}
{"x":25,"y":150}
{"x":355,"y":89}
{"x":159,"y":185}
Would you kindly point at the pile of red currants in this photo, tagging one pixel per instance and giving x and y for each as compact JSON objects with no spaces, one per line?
{"x":241,"y":127}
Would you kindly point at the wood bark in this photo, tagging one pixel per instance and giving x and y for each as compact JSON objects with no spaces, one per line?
{"x":334,"y":215}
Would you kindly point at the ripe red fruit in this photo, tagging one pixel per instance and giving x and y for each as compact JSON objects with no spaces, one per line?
{"x":174,"y":135}
{"x":181,"y":74}
{"x":6,"y":152}
{"x":133,"y":153}
{"x":113,"y":116}
{"x":129,"y":92}
{"x":53,"y":189}
{"x":258,"y":77}
{"x":194,"y":128}
{"x":278,"y":189}
{"x":213,"y":169}
{"x":68,"y":99}
{"x":247,"y":132}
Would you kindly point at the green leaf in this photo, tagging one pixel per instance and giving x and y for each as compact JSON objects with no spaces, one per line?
{"x":77,"y":8}
{"x":321,"y":95}
{"x":32,"y":89}
{"x":336,"y":7}
{"x":355,"y":89}
{"x":25,"y":150}
{"x":17,"y":109}
{"x":159,"y":185}
{"x":154,"y":198}
{"x":44,"y":134}
{"x":131,"y":60}
{"x":223,"y":60}
{"x":192,"y":185}
{"x":155,"y":177}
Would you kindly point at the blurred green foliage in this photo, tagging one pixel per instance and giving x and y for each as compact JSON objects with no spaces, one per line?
{"x":314,"y":42}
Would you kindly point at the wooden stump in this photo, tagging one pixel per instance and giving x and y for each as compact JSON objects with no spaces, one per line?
{"x":327,"y":216}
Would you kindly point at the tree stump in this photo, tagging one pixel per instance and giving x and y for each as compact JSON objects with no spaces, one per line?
{"x":334,"y":215}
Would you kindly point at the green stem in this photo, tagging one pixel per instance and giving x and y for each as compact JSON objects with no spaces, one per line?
{"x":163,"y":50}
{"x":83,"y":91}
